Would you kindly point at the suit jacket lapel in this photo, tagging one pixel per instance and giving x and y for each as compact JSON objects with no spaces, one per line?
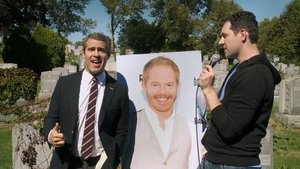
{"x":108,"y":94}
{"x":75,"y":97}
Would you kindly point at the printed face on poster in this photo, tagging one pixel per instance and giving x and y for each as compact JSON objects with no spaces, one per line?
{"x":130,"y":69}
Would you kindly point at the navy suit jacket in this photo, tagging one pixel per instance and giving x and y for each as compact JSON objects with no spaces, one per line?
{"x":113,"y":119}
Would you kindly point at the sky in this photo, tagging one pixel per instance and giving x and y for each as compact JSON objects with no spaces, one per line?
{"x":261,"y":8}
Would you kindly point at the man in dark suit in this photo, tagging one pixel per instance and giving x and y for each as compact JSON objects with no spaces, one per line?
{"x":65,"y":122}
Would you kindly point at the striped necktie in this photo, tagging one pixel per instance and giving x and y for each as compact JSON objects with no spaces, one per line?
{"x":88,"y":135}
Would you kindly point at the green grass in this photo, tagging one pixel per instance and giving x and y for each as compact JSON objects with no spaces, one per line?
{"x":286,"y":144}
{"x":5,"y":148}
{"x":287,"y":148}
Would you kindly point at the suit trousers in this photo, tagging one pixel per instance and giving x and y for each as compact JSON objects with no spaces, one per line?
{"x":79,"y":163}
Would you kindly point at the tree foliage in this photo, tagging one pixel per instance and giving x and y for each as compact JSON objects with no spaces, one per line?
{"x":120,"y":11}
{"x":26,"y":35}
{"x":142,"y":37}
{"x":177,"y":19}
{"x":264,"y":29}
{"x":283,"y":37}
{"x":63,"y":16}
{"x":17,"y":14}
{"x":20,"y":48}
{"x":159,"y":7}
{"x":171,"y":29}
{"x":52,"y":46}
{"x":177,"y":24}
{"x":66,"y":16}
{"x":40,"y":52}
{"x":207,"y":33}
{"x":182,"y":25}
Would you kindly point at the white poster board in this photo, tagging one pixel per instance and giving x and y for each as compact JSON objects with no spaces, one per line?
{"x":190,"y":65}
{"x":129,"y":73}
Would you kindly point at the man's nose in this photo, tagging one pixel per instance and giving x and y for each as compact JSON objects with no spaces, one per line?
{"x":162,"y":89}
{"x":221,"y":41}
{"x":96,"y":52}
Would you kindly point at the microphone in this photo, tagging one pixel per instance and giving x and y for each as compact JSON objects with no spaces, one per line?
{"x":215,"y":58}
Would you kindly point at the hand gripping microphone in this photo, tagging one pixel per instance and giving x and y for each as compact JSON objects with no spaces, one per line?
{"x":215,"y":58}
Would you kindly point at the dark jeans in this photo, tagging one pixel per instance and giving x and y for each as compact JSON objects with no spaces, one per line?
{"x":79,"y":163}
{"x":205,"y":164}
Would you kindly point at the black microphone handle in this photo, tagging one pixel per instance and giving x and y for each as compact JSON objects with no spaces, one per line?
{"x":212,"y":63}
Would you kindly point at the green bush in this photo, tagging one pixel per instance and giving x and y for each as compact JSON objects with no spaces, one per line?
{"x":55,"y":47}
{"x":40,"y":50}
{"x":17,"y":83}
{"x":1,"y":49}
{"x":20,"y":48}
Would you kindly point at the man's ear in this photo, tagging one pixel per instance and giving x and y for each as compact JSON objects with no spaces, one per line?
{"x":244,"y":35}
{"x":143,"y":85}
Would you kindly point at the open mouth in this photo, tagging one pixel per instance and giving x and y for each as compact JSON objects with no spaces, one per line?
{"x":162,"y":99}
{"x":96,"y":61}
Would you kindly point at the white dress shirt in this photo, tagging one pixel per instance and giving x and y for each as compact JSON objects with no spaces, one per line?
{"x":85,"y":86}
{"x":164,"y":136}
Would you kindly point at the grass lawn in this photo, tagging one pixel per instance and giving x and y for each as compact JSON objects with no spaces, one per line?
{"x":286,"y":144}
{"x":5,"y":148}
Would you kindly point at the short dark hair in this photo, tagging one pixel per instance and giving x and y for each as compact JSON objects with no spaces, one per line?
{"x":244,"y":20}
{"x":101,"y":37}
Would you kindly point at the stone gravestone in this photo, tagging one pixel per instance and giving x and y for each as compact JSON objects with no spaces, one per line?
{"x":289,"y":100}
{"x":296,"y":97}
{"x":111,"y":64}
{"x":77,"y":52}
{"x":205,"y":59}
{"x":81,"y":63}
{"x":8,"y":65}
{"x":21,"y":102}
{"x":50,"y":78}
{"x":71,"y":68}
{"x":284,"y":96}
{"x":220,"y":74}
{"x":4,"y":119}
{"x":29,"y":148}
{"x":48,"y":82}
{"x":283,"y":67}
{"x":291,"y":71}
{"x":61,"y":70}
{"x":266,"y":154}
